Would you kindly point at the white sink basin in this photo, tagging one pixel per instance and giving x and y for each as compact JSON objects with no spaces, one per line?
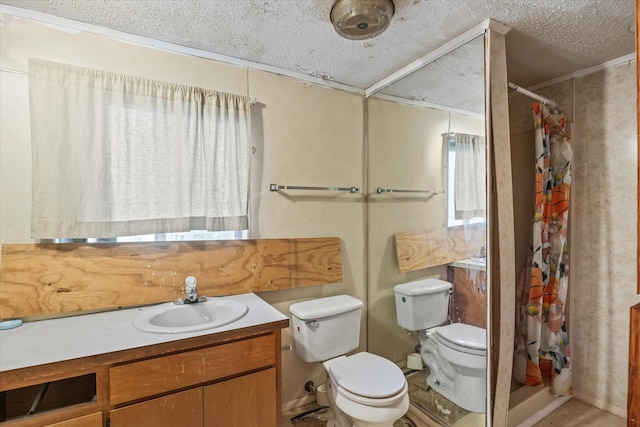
{"x":479,"y":260}
{"x":172,"y":318}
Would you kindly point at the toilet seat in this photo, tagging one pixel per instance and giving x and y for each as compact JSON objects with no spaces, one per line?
{"x":462,"y":337}
{"x":369,"y":379}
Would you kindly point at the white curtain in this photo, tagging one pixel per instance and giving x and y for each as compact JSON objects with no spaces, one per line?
{"x":117,"y":155}
{"x":470,"y":189}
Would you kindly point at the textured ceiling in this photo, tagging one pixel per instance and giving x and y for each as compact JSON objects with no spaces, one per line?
{"x":455,"y":80}
{"x":549,"y":38}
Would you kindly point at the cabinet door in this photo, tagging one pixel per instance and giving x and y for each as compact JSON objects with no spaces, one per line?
{"x":249,"y":400}
{"x":182,"y":409}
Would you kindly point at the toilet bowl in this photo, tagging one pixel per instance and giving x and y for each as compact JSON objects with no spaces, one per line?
{"x":456,"y":357}
{"x":365,"y":390}
{"x":370,"y":390}
{"x":454,"y":353}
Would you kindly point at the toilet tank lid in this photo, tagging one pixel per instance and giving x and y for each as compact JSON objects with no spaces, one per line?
{"x":422,"y":287}
{"x":324,"y":307}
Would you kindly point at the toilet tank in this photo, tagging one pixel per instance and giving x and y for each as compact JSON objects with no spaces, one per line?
{"x":324,"y":328}
{"x":422,"y":304}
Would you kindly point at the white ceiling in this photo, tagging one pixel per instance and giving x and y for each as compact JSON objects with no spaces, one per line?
{"x":549,"y":38}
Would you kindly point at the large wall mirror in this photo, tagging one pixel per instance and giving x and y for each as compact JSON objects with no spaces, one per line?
{"x":412,"y":127}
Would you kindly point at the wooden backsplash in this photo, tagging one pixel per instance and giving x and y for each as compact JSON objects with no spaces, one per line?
{"x":50,"y":279}
{"x":424,"y":249}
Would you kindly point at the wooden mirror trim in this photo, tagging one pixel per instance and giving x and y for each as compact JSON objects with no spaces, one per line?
{"x":501,"y":239}
{"x":633,"y":394}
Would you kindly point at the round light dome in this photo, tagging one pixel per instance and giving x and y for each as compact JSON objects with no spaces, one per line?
{"x":361,"y":19}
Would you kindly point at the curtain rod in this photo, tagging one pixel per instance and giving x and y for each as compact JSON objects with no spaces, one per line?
{"x":253,"y":101}
{"x":9,"y":70}
{"x":535,"y":96}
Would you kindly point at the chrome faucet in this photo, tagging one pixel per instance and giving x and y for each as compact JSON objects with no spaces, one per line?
{"x":190,"y":287}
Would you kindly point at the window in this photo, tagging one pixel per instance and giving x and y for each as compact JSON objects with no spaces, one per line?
{"x":465,"y":153}
{"x":118,"y":155}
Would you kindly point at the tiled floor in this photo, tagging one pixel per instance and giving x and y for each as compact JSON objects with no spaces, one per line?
{"x":576,"y":413}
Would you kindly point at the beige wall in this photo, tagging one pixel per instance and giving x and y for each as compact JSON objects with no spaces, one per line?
{"x":302,"y":134}
{"x":603,"y":225}
{"x":311,"y":136}
{"x":405,"y":152}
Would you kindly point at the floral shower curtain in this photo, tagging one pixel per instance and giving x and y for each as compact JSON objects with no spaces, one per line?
{"x":542,"y":344}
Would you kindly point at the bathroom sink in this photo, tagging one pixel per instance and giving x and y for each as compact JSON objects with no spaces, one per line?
{"x":479,"y":260}
{"x":173,"y":318}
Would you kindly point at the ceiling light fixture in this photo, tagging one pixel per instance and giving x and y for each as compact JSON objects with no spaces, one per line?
{"x":361,"y":19}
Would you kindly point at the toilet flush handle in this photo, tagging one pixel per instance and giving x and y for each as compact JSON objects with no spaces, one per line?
{"x":312,"y":323}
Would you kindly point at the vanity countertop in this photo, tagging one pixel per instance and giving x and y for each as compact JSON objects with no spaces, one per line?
{"x":48,"y":341}
{"x":469,"y":264}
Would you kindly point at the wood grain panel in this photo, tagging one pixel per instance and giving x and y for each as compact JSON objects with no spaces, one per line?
{"x":163,"y":374}
{"x":424,"y":249}
{"x":182,"y":409}
{"x":469,"y":296}
{"x":257,"y":407}
{"x":49,"y":279}
{"x":633,"y":396}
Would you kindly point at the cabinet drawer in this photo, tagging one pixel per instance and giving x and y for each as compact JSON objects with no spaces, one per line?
{"x":166,"y":373}
{"x":93,"y":420}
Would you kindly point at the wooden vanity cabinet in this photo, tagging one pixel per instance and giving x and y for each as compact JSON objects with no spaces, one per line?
{"x":246,"y":394}
{"x":248,"y":400}
{"x":229,"y":379}
{"x":469,"y":296}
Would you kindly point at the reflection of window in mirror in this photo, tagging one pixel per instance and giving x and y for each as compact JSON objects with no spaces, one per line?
{"x":466,"y":179}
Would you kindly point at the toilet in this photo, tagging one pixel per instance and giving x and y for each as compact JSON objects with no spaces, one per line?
{"x":364,"y":390}
{"x":456,"y":353}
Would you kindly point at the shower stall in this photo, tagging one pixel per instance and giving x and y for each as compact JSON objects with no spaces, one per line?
{"x":539,"y":399}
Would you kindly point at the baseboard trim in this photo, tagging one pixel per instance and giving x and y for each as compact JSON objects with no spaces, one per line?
{"x":294,"y":404}
{"x":549,"y":408}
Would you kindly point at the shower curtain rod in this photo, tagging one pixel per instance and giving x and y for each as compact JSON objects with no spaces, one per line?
{"x":535,"y":96}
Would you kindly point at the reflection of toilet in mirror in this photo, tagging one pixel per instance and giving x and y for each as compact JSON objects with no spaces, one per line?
{"x":455,"y":353}
{"x":365,"y":390}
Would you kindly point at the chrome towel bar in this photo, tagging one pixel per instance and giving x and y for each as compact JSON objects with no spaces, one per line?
{"x":391,"y":190}
{"x":276,"y":187}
